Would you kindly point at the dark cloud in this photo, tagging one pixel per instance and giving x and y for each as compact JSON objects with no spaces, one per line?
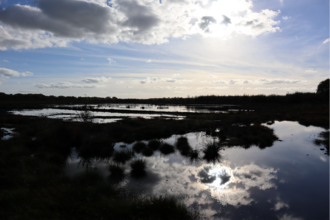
{"x":64,"y":18}
{"x":138,"y":16}
{"x":205,"y":177}
{"x":226,"y":20}
{"x":206,"y":21}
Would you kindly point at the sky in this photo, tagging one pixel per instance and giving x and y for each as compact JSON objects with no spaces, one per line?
{"x":163,"y":48}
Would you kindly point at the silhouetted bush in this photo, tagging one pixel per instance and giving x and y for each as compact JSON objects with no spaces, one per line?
{"x":139,"y":146}
{"x":138,"y":168}
{"x":154,"y":144}
{"x":147,"y":152}
{"x":123,"y":156}
{"x":166,"y":148}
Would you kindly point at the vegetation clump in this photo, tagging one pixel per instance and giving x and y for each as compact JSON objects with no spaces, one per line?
{"x":139,"y":146}
{"x":117,"y":173}
{"x":147,"y":152}
{"x":211,"y":152}
{"x":166,"y":149}
{"x":138,"y":168}
{"x":323,"y":140}
{"x":123,"y":156}
{"x":183,"y":146}
{"x":154,"y":144}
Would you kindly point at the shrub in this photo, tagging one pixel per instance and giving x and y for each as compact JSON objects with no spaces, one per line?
{"x":166,"y":149}
{"x":154,"y":144}
{"x":123,"y":156}
{"x":138,"y":168}
{"x":139,"y":146}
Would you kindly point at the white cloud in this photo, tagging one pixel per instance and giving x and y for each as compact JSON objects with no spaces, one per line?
{"x":150,"y":80}
{"x":310,"y":71}
{"x":54,"y":23}
{"x":213,"y":88}
{"x":288,"y":217}
{"x":288,"y":89}
{"x":63,"y":85}
{"x":120,"y":82}
{"x":9,"y":73}
{"x":212,"y":76}
{"x":257,"y":81}
{"x":111,"y":61}
{"x":25,"y":74}
{"x":279,"y":205}
{"x":149,"y":61}
{"x":286,"y":17}
{"x":323,"y":159}
{"x":171,"y":87}
{"x":326,"y":41}
{"x":96,"y":80}
{"x":6,"y":61}
{"x":82,"y":59}
{"x":277,"y":81}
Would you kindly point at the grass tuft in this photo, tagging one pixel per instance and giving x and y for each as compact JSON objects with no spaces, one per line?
{"x":166,"y":149}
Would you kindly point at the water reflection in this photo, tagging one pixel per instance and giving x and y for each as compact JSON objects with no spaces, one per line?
{"x":98,"y":117}
{"x":279,"y":182}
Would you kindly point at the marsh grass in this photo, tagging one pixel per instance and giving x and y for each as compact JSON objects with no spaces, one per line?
{"x":166,"y":149}
{"x":323,"y":140}
{"x":154,"y":144}
{"x":139,"y":146}
{"x":117,"y":173}
{"x":211,"y":152}
{"x":147,"y":152}
{"x":183,"y":146}
{"x":123,"y":156}
{"x":138,"y":168}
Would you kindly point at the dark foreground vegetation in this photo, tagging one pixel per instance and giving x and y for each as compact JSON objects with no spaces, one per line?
{"x":33,"y":184}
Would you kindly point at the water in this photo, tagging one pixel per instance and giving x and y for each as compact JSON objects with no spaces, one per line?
{"x":289,"y":180}
{"x":72,"y":115}
{"x":156,"y":108}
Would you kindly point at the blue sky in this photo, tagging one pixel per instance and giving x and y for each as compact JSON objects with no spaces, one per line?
{"x":146,"y":49}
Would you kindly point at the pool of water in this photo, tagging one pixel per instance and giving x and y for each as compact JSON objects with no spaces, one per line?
{"x":72,"y":115}
{"x":289,"y":180}
{"x":156,"y":108}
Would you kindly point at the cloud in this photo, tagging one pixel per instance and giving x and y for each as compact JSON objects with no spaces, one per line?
{"x":96,"y":80}
{"x":63,"y":85}
{"x":82,"y":59}
{"x":25,"y":74}
{"x":171,"y":87}
{"x":212,"y":76}
{"x":9,"y":73}
{"x":111,"y":61}
{"x":289,"y":217}
{"x":120,"y":82}
{"x":149,"y":61}
{"x":286,"y":17}
{"x":288,"y":89}
{"x":56,"y":23}
{"x":150,"y":80}
{"x":277,"y":81}
{"x":213,"y":88}
{"x":257,"y":81}
{"x":326,"y":41}
{"x":310,"y":71}
{"x":6,"y":61}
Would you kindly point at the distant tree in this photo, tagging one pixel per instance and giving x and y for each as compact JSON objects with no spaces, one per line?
{"x":323,"y":87}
